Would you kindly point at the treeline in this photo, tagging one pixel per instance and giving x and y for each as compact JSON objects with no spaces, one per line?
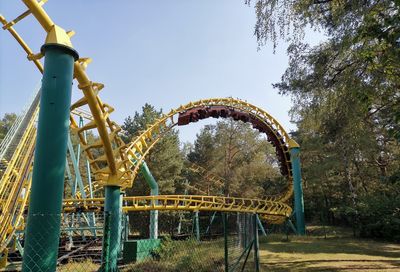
{"x":346,"y":99}
{"x":346,"y":104}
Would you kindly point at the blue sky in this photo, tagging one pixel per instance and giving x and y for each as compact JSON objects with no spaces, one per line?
{"x":165,"y":53}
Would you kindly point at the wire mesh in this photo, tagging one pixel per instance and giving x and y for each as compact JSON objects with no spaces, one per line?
{"x":185,"y":241}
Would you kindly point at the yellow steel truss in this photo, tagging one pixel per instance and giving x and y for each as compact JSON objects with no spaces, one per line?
{"x":112,"y":162}
{"x":266,"y":208}
{"x":112,"y":165}
{"x":141,"y":145}
{"x":15,"y":184}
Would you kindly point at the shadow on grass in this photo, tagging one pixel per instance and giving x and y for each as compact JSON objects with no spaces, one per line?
{"x":335,"y":253}
{"x":314,"y":266}
{"x":333,"y":246}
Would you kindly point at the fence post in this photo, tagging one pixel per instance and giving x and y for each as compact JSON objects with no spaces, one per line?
{"x":225,"y":224}
{"x":197,"y":223}
{"x":256,"y":253}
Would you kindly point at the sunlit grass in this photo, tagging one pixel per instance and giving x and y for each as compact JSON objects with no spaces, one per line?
{"x":337,"y":252}
{"x":81,"y":266}
{"x":324,"y":249}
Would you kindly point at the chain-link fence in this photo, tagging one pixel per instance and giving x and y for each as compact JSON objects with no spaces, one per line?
{"x":193,"y":241}
{"x":149,"y":241}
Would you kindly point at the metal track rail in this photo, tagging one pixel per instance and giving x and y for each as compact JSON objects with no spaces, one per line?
{"x":265,"y":208}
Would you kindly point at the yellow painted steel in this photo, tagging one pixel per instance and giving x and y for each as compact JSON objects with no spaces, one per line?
{"x":15,"y":184}
{"x":198,"y":190}
{"x":278,"y":211}
{"x":141,"y":145}
{"x":110,"y":159}
{"x":219,"y":180}
{"x":111,"y":166}
{"x":207,"y":175}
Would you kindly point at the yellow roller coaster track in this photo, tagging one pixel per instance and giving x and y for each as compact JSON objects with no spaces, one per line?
{"x":111,"y":166}
{"x":15,"y":184}
{"x":112,"y":162}
{"x":269,"y":209}
{"x":140,"y":147}
{"x":114,"y":165}
{"x":207,"y":175}
{"x":215,"y":179}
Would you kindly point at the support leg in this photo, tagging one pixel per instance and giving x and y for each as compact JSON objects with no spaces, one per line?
{"x":112,"y":228}
{"x":44,"y":218}
{"x":298,"y":190}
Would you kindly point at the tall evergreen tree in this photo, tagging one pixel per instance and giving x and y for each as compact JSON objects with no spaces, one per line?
{"x":165,"y":161}
{"x":346,"y":104}
{"x":240,"y":155}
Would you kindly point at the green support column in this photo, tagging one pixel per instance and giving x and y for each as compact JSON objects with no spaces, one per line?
{"x":112,"y":229}
{"x":151,"y":181}
{"x":297,"y":187}
{"x":43,"y":226}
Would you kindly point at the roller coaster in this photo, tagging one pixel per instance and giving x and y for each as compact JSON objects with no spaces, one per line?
{"x":112,"y":164}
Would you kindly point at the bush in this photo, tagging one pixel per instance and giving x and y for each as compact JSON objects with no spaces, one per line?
{"x":379,"y":217}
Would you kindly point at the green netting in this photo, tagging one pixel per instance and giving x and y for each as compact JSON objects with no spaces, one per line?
{"x":186,"y":241}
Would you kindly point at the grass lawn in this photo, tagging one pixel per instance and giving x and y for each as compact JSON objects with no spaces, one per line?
{"x":337,"y":252}
{"x":332,"y":249}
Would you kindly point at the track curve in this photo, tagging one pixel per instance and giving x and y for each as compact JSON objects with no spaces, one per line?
{"x":275,"y":211}
{"x":237,"y":109}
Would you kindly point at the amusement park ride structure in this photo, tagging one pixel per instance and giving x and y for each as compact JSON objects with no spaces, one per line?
{"x":113,"y":164}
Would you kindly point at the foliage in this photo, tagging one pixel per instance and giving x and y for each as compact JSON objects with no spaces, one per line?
{"x":6,"y":123}
{"x":346,"y":105}
{"x":165,"y":160}
{"x":380,"y":216}
{"x":240,"y":155}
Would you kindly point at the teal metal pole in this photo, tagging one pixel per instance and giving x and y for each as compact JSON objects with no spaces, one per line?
{"x":211,"y":221}
{"x":43,"y":226}
{"x":197,"y":223}
{"x":181,"y":214}
{"x":151,"y":181}
{"x":75,"y":164}
{"x":298,"y":190}
{"x":112,"y":229}
{"x":260,"y":225}
{"x":89,"y":177}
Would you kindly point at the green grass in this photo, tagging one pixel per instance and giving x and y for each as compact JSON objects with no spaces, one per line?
{"x":324,"y":249}
{"x":337,"y":252}
{"x":188,"y":255}
{"x":82,"y":266}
